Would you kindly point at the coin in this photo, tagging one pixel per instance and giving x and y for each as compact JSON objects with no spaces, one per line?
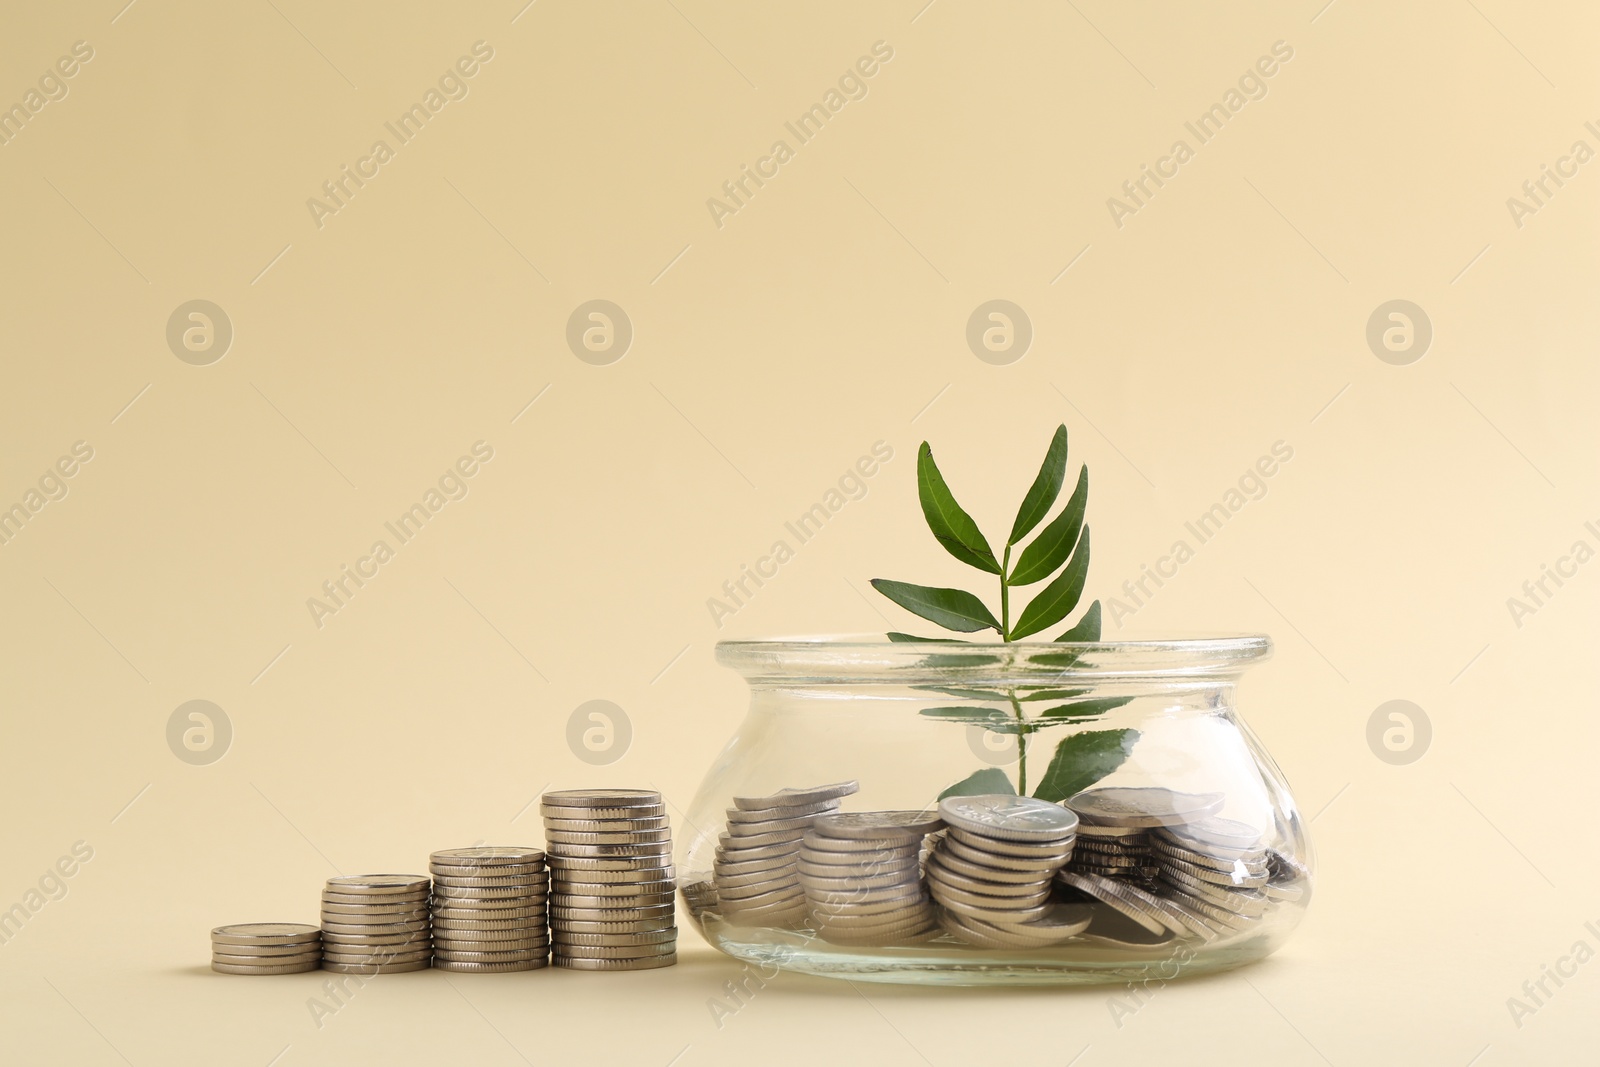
{"x":958,"y":848}
{"x":560,"y":863}
{"x":879,"y":825}
{"x":370,"y":969}
{"x":454,"y":949}
{"x":533,"y":964}
{"x":613,"y":952}
{"x":738,"y":815}
{"x":378,"y":884}
{"x":655,"y":937}
{"x":375,"y":900}
{"x":487,"y":856}
{"x":267,"y":952}
{"x":1145,"y":806}
{"x":1240,"y":876}
{"x":1009,"y":818}
{"x":375,"y":929}
{"x":1052,"y":852}
{"x":1127,"y":899}
{"x":1215,"y":831}
{"x":792,"y":796}
{"x":519,"y":881}
{"x":265,"y":934}
{"x":251,"y":960}
{"x":409,"y":937}
{"x":287,"y":968}
{"x":571,"y":837}
{"x":609,"y":826}
{"x":600,"y":798}
{"x":649,"y":963}
{"x":623,"y":926}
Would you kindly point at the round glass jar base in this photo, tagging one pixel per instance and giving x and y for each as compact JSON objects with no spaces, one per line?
{"x":947,"y":961}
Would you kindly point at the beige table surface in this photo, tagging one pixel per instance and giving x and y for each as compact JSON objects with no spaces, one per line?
{"x":1182,"y":332}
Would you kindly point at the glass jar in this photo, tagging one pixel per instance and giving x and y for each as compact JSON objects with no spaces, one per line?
{"x":1176,"y":802}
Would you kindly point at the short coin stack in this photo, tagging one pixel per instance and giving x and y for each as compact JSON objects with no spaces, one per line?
{"x":266,"y":948}
{"x":862,"y":877}
{"x":992,"y":871}
{"x":611,"y":890}
{"x":375,"y":924}
{"x":755,"y":871}
{"x":1114,"y":835}
{"x":489,"y":909}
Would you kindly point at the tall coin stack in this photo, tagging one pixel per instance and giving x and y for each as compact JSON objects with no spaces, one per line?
{"x":993,"y":870}
{"x":862,"y":876}
{"x":611,"y":888}
{"x":489,"y":909}
{"x":754,"y":870}
{"x":266,"y":948}
{"x":375,"y":924}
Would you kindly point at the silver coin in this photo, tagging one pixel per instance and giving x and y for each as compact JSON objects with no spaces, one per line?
{"x":472,"y":908}
{"x":375,"y":900}
{"x":264,"y":934}
{"x":1146,"y":806}
{"x":455,"y":949}
{"x":778,"y":853}
{"x":793,"y":796}
{"x":408,"y":910}
{"x":1215,"y":831}
{"x":374,"y":929}
{"x":847,"y":884}
{"x":1009,"y":818}
{"x":879,"y":825}
{"x":487,"y":856}
{"x":650,"y":911}
{"x":1220,"y":917}
{"x":488,"y":892}
{"x":491,"y":968}
{"x":651,"y":874}
{"x":1240,"y":877}
{"x":608,"y":863}
{"x":562,"y":838}
{"x":885,"y":933}
{"x":1114,"y":930}
{"x":1246,"y":902}
{"x":1005,"y":914}
{"x":267,"y":952}
{"x":1061,"y":923}
{"x":904,"y":921}
{"x":1128,"y":835}
{"x":1285,"y":891}
{"x":371,"y":969}
{"x":314,"y":956}
{"x":330,"y":942}
{"x":793,"y":811}
{"x":647,"y":964}
{"x":938,"y":872}
{"x":862,"y":910}
{"x":601,"y":798}
{"x":1129,"y":900}
{"x":662,"y":849}
{"x":495,"y":957}
{"x":654,"y":937}
{"x":957,"y":862}
{"x":948,"y":894}
{"x":821,"y":849}
{"x":782,"y":911}
{"x":615,"y":889}
{"x":627,"y":926}
{"x":491,"y":886}
{"x":377,"y":959}
{"x":1285,"y":867}
{"x":377,"y":884}
{"x":288,"y":968}
{"x":1162,"y":850}
{"x":571,"y":901}
{"x":1113,"y":870}
{"x":1032,"y":866}
{"x":573,"y":814}
{"x":753,"y":838}
{"x":836,"y":865}
{"x":447,"y":936}
{"x":1052,"y":852}
{"x":744,"y":831}
{"x":750,"y":881}
{"x":614,"y":952}
{"x":647,"y":824}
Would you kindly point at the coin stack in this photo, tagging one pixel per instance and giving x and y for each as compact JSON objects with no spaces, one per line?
{"x":1216,"y":868}
{"x":375,"y":924}
{"x":611,"y":890}
{"x":755,"y":870}
{"x":862,"y":877}
{"x":489,"y":909}
{"x":1116,"y":826}
{"x":266,"y":948}
{"x":992,"y":871}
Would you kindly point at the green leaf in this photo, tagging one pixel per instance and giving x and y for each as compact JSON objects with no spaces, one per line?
{"x":1088,"y":627}
{"x":966,"y":692}
{"x":954,"y":609}
{"x":1050,"y":549}
{"x":981,"y":783}
{"x":1046,"y":487}
{"x":1059,"y":597}
{"x":1083,"y":710}
{"x":992,"y":719}
{"x":1053,"y":694}
{"x":899,"y":638}
{"x":1082,"y":760}
{"x":950,"y":524}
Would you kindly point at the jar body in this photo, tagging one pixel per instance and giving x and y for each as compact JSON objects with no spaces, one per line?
{"x":908,"y":723}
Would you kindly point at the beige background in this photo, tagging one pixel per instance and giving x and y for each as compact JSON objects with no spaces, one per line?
{"x":1229,"y":313}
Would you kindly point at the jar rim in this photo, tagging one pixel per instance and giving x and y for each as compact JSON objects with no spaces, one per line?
{"x":862,"y":657}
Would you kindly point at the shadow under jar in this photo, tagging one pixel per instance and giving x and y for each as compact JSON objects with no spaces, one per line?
{"x":1110,"y":816}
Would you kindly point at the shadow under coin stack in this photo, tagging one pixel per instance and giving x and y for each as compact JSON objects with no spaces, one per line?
{"x":862,"y":876}
{"x":375,"y":924}
{"x":993,"y":870}
{"x":755,"y":871}
{"x":611,"y":879}
{"x":489,"y":909}
{"x":266,"y":948}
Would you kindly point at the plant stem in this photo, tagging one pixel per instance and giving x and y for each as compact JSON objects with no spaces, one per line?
{"x":1022,"y":745}
{"x":1005,"y":596}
